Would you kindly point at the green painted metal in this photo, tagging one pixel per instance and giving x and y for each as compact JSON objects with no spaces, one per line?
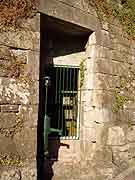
{"x":47,"y":129}
{"x":66,"y":80}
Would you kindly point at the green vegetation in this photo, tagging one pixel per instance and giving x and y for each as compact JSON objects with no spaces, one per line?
{"x":82,"y":72}
{"x":123,"y":10}
{"x":120,"y":101}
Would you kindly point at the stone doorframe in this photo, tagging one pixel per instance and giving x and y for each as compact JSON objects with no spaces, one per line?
{"x":94,"y":113}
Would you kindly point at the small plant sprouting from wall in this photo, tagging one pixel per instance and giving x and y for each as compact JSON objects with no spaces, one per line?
{"x":124,"y":95}
{"x":120,"y":101}
{"x":127,"y":83}
{"x":82,"y":72}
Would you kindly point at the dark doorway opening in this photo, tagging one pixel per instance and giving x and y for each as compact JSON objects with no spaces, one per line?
{"x":57,"y":38}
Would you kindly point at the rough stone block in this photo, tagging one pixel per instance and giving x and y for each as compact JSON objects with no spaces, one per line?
{"x":99,"y":51}
{"x":4,"y":68}
{"x":116,"y":136}
{"x":127,"y":174}
{"x":25,"y":142}
{"x":81,"y":4}
{"x":7,"y":145}
{"x":89,"y":134}
{"x":32,"y":24}
{"x":121,"y":159}
{"x":4,"y":53}
{"x":116,"y":39}
{"x":124,"y":155}
{"x":11,"y":174}
{"x":87,"y":150}
{"x":123,"y":49}
{"x":101,"y":38}
{"x":101,"y":81}
{"x":29,"y":172}
{"x":5,"y":60}
{"x":25,"y":173}
{"x":101,"y":134}
{"x":15,"y":92}
{"x":101,"y":99}
{"x":103,"y":155}
{"x":116,"y":30}
{"x":131,"y":152}
{"x":110,"y":67}
{"x":20,"y":55}
{"x":7,"y":120}
{"x":30,"y":115}
{"x":131,"y":134}
{"x":61,"y":170}
{"x":32,"y":68}
{"x":98,"y":115}
{"x":21,"y":39}
{"x":122,"y":57}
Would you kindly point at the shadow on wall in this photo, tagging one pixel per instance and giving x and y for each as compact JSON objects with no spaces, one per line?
{"x":54,"y":42}
{"x":54,"y":146}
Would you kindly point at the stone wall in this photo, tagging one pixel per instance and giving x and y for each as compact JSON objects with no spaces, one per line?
{"x":108,"y":135}
{"x":105,"y":150}
{"x":19,"y":84}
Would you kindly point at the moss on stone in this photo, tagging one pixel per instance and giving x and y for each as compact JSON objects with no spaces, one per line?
{"x":124,"y":11}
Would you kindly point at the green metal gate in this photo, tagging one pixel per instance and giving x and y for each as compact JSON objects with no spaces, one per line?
{"x":62,"y":102}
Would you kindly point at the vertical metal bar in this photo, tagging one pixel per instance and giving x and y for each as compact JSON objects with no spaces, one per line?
{"x":70,"y":95}
{"x":78,"y":103}
{"x":59,"y":107}
{"x":66,"y":95}
{"x":63,"y":82}
{"x":74,"y":104}
{"x":56,"y":98}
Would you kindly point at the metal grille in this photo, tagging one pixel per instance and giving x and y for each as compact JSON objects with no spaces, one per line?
{"x":63,"y":100}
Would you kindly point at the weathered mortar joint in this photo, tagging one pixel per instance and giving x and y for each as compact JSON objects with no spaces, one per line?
{"x":9,"y":108}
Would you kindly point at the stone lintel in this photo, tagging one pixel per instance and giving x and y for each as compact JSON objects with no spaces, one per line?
{"x":69,"y":13}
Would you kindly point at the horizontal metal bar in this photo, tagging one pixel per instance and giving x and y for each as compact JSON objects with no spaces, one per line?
{"x":67,"y":66}
{"x":65,"y":138}
{"x":68,"y":92}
